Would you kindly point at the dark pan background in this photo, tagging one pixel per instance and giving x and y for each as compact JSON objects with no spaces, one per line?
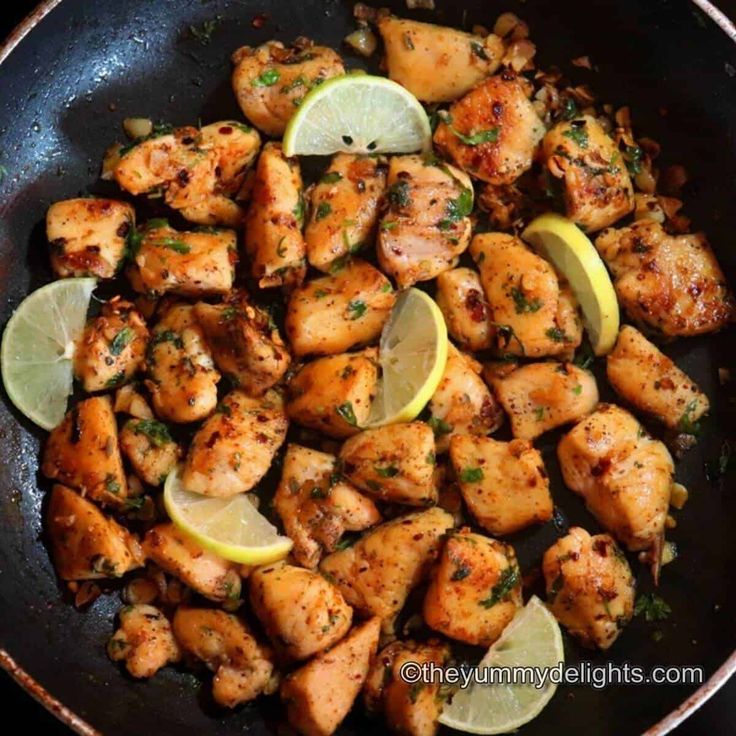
{"x":83,"y":124}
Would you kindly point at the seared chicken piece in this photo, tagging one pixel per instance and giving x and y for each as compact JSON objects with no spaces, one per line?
{"x":533,"y":315}
{"x":465,"y":309}
{"x":246,"y":346}
{"x":316,"y":505}
{"x":590,"y":588}
{"x":541,"y":396}
{"x":623,"y":474}
{"x":271,"y":80}
{"x":144,"y":641}
{"x":183,"y":379}
{"x":300,"y":611}
{"x":651,"y":382}
{"x":394,"y":463}
{"x":88,"y":236}
{"x":112,"y":347}
{"x":427,"y":225}
{"x":334,"y":313}
{"x":672,"y":283}
{"x":474,"y":590}
{"x":462,"y":403}
{"x":344,"y":207}
{"x":235,"y":447}
{"x":504,"y":484}
{"x":236,"y":146}
{"x":320,"y":694}
{"x":82,"y":452}
{"x":86,"y":544}
{"x":376,"y":574}
{"x":437,"y":63}
{"x":492,"y":132}
{"x":597,"y":185}
{"x":150,"y":449}
{"x":273,"y":224}
{"x":215,"y":210}
{"x":179,"y":555}
{"x":243,"y":668}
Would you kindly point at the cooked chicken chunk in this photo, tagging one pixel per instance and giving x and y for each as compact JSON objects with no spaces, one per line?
{"x":462,"y":301}
{"x":334,"y":313}
{"x":590,"y":588}
{"x":215,"y":210}
{"x":273,"y":224}
{"x":344,"y":207}
{"x":651,"y":382}
{"x":203,"y":571}
{"x":320,"y":694}
{"x":144,"y":641}
{"x":624,"y":475}
{"x":112,"y":347}
{"x":437,"y":63}
{"x":492,"y":132}
{"x":504,"y":484}
{"x":236,"y":146}
{"x":597,"y":185}
{"x":475,"y":589}
{"x":150,"y":449}
{"x":235,"y":447}
{"x":271,"y":80}
{"x":88,"y":236}
{"x":82,"y":452}
{"x":129,"y":400}
{"x":533,"y":314}
{"x":541,"y":396}
{"x":243,"y":668}
{"x":427,"y":225}
{"x":86,"y":544}
{"x":672,"y":283}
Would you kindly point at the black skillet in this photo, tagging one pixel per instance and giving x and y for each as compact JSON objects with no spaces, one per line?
{"x":77,"y":68}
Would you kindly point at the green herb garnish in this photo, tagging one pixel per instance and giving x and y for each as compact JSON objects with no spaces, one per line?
{"x":471,"y":475}
{"x":267,"y":78}
{"x":121,"y":340}
{"x":345,"y":411}
{"x":652,"y":607}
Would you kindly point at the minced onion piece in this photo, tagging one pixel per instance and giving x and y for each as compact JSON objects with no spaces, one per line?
{"x":363,"y":41}
{"x":138,"y":127}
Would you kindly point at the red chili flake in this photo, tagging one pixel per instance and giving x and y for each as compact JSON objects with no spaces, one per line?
{"x":601,"y":547}
{"x":259,"y":20}
{"x":476,"y":306}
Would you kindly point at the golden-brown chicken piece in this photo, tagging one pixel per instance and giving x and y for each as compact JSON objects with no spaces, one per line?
{"x":672,"y":283}
{"x":623,"y":474}
{"x":112,"y":347}
{"x":316,"y":504}
{"x":150,"y":449}
{"x":271,"y":80}
{"x":590,"y":588}
{"x":395,"y":463}
{"x":334,"y":313}
{"x":344,"y":207}
{"x":437,"y":63}
{"x":86,"y":544}
{"x":203,"y":571}
{"x":300,"y":611}
{"x":88,"y":236}
{"x":408,"y":709}
{"x":597,"y":185}
{"x":236,"y":146}
{"x":82,"y":452}
{"x":427,"y":225}
{"x":243,"y":668}
{"x":541,"y":396}
{"x":504,"y":484}
{"x":475,"y":589}
{"x":273,"y":225}
{"x":493,"y":131}
{"x":144,"y":641}
{"x":182,"y":376}
{"x":533,"y":315}
{"x":320,"y":694}
{"x":246,"y":345}
{"x":465,"y":309}
{"x":376,"y":574}
{"x":235,"y":447}
{"x":215,"y":210}
{"x":651,"y":382}
{"x":462,"y":403}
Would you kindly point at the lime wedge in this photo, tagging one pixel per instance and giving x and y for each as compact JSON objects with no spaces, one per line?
{"x":412,"y":355}
{"x":358,"y":113}
{"x":532,"y":639}
{"x":38,"y":348}
{"x":230,"y":527}
{"x":570,"y":251}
